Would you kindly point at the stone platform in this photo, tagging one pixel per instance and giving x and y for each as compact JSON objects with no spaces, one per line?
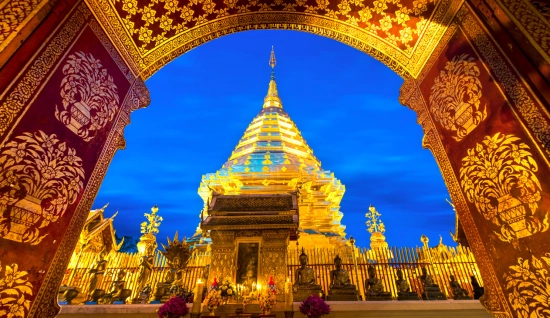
{"x":340,"y":309}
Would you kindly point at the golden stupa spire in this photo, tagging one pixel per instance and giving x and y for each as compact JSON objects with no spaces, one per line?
{"x":272,"y":98}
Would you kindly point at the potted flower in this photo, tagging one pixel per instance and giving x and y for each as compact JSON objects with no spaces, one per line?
{"x":314,"y":307}
{"x":267,"y":297}
{"x":213,"y":299}
{"x":175,"y":307}
{"x":226,"y":288}
{"x":267,"y":300}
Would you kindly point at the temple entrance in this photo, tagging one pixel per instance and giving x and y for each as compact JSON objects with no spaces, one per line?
{"x":476,"y":75}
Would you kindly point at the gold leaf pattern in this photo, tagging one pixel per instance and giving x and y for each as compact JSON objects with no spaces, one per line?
{"x":455,"y":96}
{"x":498,"y":176}
{"x":39,"y":177}
{"x":15,"y":292}
{"x":528,"y":284}
{"x":90,"y":98}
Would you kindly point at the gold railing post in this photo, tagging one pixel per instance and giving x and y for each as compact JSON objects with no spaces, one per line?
{"x":352,"y":241}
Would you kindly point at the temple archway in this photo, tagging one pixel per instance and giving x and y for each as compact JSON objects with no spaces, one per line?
{"x":476,"y":74}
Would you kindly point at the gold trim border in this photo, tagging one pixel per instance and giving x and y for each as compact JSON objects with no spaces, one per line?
{"x":402,"y":63}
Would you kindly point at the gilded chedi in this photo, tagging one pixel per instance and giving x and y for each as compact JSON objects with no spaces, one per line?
{"x":273,"y":158}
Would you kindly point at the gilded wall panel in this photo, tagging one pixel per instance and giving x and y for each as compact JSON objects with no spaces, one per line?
{"x":495,"y":168}
{"x":43,"y":223}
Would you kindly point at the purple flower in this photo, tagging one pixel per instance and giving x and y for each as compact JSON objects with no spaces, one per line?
{"x":314,"y":306}
{"x":175,"y":306}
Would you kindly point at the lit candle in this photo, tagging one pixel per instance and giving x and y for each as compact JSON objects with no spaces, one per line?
{"x":197,"y":299}
{"x":288,"y":295}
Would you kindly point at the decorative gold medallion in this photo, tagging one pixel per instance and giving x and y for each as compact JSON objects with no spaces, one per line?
{"x":529,"y":287}
{"x":39,"y":177}
{"x":455,"y":97}
{"x":14,"y":293}
{"x":498,"y":176}
{"x":90,"y":98}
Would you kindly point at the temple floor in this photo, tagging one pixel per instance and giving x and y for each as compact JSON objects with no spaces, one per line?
{"x":340,"y":309}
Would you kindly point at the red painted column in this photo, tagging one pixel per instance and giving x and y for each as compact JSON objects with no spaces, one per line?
{"x":66,"y":98}
{"x":488,"y":128}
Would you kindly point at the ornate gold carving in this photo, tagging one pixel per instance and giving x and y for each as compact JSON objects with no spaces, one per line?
{"x":498,"y":176}
{"x":90,"y":97}
{"x":17,"y":99}
{"x":515,"y":91}
{"x":528,"y":286}
{"x":532,"y":24}
{"x":411,"y":96}
{"x":365,"y":25}
{"x":44,"y":305}
{"x":108,"y":45}
{"x":12,"y":15}
{"x":15,"y":293}
{"x":455,"y":96}
{"x":40,"y":176}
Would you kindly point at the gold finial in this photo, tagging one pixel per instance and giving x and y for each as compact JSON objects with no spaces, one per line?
{"x":272,"y":60}
{"x":272,"y":98}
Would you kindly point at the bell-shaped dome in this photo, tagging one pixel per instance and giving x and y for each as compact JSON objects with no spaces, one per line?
{"x":272,"y":157}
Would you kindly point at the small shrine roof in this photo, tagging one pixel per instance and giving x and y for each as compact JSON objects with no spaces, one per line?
{"x":254,"y":203}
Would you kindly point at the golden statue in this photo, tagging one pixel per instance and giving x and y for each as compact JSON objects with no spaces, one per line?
{"x":96,"y":272}
{"x":339,"y":278}
{"x":118,"y":293}
{"x":458,"y":291}
{"x":304,"y":274}
{"x":341,"y":288}
{"x":431,"y":290}
{"x":374,"y":290}
{"x":403,"y":288}
{"x":305,"y":284}
{"x":145,"y":267}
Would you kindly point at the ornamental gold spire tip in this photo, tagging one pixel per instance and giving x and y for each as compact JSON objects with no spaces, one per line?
{"x":272,"y":98}
{"x":272,"y":61}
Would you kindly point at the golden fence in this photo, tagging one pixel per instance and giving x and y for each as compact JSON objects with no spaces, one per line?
{"x":77,"y":272}
{"x":440,"y":263}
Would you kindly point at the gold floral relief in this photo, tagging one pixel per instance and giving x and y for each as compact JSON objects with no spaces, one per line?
{"x":90,"y":98}
{"x":15,"y":291}
{"x":498,"y":176}
{"x":456,"y":96}
{"x":39,"y":177}
{"x":528,"y":285}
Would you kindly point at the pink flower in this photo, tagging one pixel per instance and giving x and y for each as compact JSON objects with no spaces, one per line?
{"x":314,"y":306}
{"x":175,"y":306}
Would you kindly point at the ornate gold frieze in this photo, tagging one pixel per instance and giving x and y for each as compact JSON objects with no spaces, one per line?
{"x":384,"y":29}
{"x":534,"y":26}
{"x":455,"y":96}
{"x":529,"y":109}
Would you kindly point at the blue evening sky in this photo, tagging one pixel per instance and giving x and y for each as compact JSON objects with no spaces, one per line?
{"x":343,"y":101}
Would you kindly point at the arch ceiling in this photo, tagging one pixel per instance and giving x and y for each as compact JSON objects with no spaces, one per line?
{"x":150,"y":33}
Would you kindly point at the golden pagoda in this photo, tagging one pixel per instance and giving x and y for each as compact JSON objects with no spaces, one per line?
{"x":273,"y":158}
